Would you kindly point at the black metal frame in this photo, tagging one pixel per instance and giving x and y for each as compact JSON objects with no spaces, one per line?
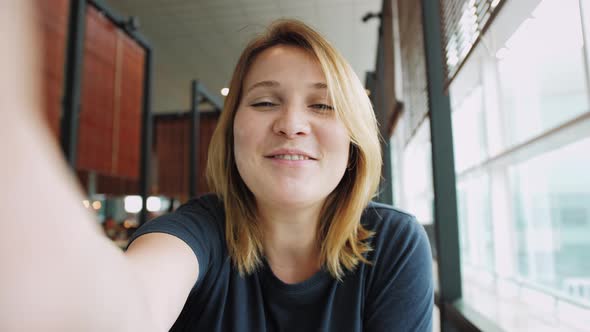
{"x":73,"y":84}
{"x":378,"y":84}
{"x":195,"y":138}
{"x":443,"y":168}
{"x":379,"y":99}
{"x":73,"y":81}
{"x":199,"y":94}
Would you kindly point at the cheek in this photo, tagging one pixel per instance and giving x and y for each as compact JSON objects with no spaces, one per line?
{"x":246,"y":138}
{"x":240,"y":133}
{"x":337,"y":140}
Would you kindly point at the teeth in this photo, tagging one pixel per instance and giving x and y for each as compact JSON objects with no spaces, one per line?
{"x":291,"y":157}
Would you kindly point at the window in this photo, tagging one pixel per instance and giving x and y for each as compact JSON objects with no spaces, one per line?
{"x":413,"y":167}
{"x":551,"y":217}
{"x":521,"y":133}
{"x":541,"y":71}
{"x":412,"y":177}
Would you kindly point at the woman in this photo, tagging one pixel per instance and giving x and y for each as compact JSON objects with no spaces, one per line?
{"x":294,"y":161}
{"x":289,"y":241}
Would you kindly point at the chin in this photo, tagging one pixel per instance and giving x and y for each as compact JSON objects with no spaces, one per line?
{"x":294,"y":198}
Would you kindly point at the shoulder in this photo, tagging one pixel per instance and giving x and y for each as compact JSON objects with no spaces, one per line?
{"x":397,"y":234}
{"x":208,"y":206}
{"x":199,"y":222}
{"x":379,"y":218}
{"x":203,"y":212}
{"x":399,"y":287}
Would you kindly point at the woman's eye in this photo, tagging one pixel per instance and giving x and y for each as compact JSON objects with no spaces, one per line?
{"x":322,"y":107}
{"x":263,"y":104}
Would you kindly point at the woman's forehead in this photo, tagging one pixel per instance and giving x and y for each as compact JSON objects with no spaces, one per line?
{"x":282,"y":63}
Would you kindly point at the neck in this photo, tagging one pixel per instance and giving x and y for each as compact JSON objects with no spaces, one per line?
{"x":290,"y":241}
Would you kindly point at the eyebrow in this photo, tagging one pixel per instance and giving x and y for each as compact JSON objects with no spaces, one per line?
{"x":319,"y":85}
{"x":274,"y":84}
{"x":268,"y":84}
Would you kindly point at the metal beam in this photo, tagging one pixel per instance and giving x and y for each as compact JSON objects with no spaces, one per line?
{"x":443,"y":164}
{"x":128,"y":24}
{"x":196,"y":95}
{"x":73,"y":81}
{"x":146,"y":134}
{"x":387,"y":94}
{"x":210,"y":98}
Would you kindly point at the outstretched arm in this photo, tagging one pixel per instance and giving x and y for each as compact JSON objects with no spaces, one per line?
{"x":59,"y":273}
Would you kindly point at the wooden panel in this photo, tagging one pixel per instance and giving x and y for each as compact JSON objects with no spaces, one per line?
{"x":109,"y":137}
{"x":117,"y":186}
{"x":111,"y":185}
{"x":95,"y":136}
{"x":172,"y":154}
{"x":127,"y":139}
{"x":185,"y":142}
{"x":53,"y":23}
{"x":208,"y":124}
{"x":172,"y":149}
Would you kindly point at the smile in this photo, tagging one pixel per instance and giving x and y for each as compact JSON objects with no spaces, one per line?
{"x":291,"y":157}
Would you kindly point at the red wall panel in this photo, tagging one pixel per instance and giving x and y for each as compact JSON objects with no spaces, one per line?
{"x":128,"y":138}
{"x":95,"y":134}
{"x":109,"y":184}
{"x":172,"y":150}
{"x":109,"y":140}
{"x":118,"y":186}
{"x":208,"y":124}
{"x":109,"y":133}
{"x":173,"y":153}
{"x":53,"y":23}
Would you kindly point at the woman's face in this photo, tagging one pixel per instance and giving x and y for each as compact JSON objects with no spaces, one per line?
{"x":291,"y":149}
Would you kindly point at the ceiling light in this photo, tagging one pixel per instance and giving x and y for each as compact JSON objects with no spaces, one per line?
{"x":133,"y":204}
{"x":96,"y":205}
{"x":224,"y":91}
{"x":154,"y":204}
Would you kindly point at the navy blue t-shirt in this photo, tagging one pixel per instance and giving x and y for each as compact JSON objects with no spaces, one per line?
{"x":394,"y":293}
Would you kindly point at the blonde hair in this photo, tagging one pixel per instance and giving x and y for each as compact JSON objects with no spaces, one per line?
{"x":342,"y":238}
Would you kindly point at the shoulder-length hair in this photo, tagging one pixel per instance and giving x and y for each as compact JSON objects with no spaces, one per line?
{"x":342,"y":238}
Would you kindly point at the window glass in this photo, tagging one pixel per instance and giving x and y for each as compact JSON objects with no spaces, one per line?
{"x":541,"y":71}
{"x":416,"y":175}
{"x":551,"y":219}
{"x":412,"y":177}
{"x":469,"y":131}
{"x":521,"y":137}
{"x":475,"y":224}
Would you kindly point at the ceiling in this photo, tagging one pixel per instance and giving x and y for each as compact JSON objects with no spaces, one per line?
{"x":202,"y":39}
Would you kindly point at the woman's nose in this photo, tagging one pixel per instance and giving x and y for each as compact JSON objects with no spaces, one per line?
{"x":291,"y":122}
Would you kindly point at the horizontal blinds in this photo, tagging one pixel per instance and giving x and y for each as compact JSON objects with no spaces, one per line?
{"x":463,"y":22}
{"x":413,"y":64}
